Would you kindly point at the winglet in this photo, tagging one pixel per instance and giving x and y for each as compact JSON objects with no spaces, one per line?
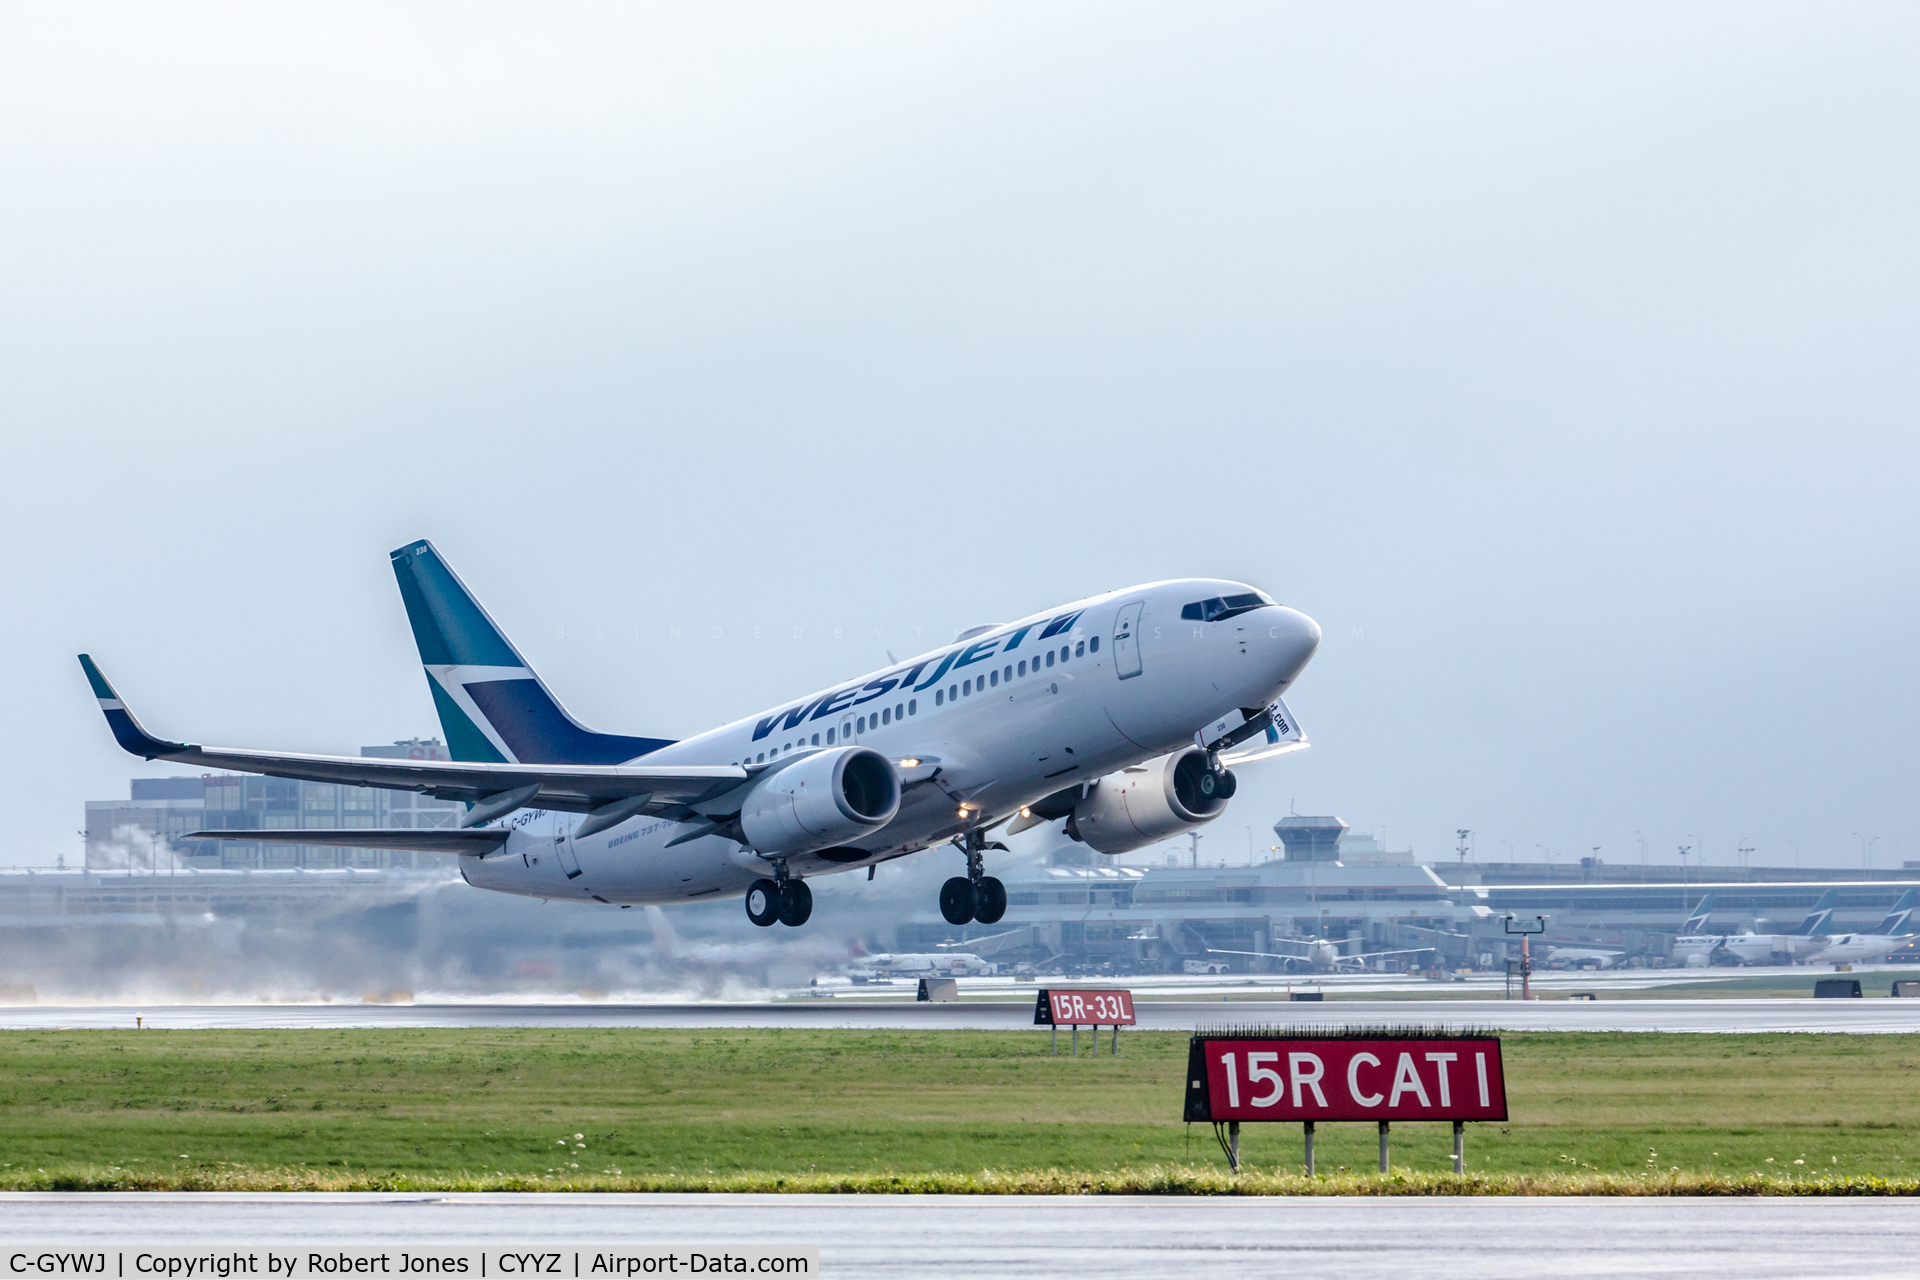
{"x":126,"y":730}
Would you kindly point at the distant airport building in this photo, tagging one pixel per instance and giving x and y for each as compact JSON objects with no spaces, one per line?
{"x":145,"y":830}
{"x":1329,"y":883}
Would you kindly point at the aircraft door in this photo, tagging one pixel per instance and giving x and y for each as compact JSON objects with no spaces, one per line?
{"x":563,"y":845}
{"x":1126,"y":641}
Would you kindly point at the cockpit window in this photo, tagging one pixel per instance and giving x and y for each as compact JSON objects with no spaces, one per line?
{"x":1225,"y":606}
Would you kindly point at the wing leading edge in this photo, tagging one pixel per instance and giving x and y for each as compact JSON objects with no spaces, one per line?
{"x":667,"y":789}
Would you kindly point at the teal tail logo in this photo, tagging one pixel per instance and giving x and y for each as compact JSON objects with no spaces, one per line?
{"x":492,"y":705}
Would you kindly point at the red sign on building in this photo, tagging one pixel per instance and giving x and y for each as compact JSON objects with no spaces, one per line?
{"x":1340,"y":1078}
{"x":1084,"y":1008}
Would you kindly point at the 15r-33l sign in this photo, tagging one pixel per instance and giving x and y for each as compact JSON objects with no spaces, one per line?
{"x":1455,"y":1078}
{"x":1084,"y":1008}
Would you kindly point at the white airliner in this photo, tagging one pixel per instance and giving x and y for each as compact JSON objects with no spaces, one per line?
{"x":1895,"y":932}
{"x":919,"y":964}
{"x":1120,"y":713}
{"x":1321,"y":955}
{"x":1695,"y":947}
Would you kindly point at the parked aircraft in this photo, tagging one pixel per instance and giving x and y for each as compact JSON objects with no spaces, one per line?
{"x":1893,"y":933}
{"x":1322,"y":956}
{"x":1121,"y":714}
{"x":1797,"y":943}
{"x":923,"y":964}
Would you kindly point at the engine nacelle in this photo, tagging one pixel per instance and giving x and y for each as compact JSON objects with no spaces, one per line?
{"x":830,"y":798}
{"x":1135,"y":808}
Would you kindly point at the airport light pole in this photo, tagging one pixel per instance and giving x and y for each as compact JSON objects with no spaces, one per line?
{"x":1866,"y":850}
{"x":1463,"y":833}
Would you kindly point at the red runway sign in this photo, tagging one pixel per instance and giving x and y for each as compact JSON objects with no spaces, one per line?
{"x":1453,"y":1078}
{"x":1084,"y":1008}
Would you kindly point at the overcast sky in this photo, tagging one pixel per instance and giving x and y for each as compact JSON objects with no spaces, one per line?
{"x":1559,"y":359}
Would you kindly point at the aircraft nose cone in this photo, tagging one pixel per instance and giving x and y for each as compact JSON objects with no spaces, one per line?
{"x":1293,"y":637}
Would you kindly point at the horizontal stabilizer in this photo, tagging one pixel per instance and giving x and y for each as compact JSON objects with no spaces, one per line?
{"x":436,"y":840}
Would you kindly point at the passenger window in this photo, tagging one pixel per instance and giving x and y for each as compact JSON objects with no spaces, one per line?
{"x":1049,"y":657}
{"x":816,"y":739}
{"x":886,"y":715}
{"x":846,"y":730}
{"x":761,"y":758}
{"x":1023,"y":666}
{"x":898,"y":711}
{"x":1093,"y":645}
{"x":1080,"y":650}
{"x":861,"y":726}
{"x":1007,"y":674}
{"x":913,"y":707}
{"x":829,"y":737}
{"x":939,"y":697}
{"x":966,"y":687}
{"x":1066,"y":651}
{"x":993,"y":678}
{"x":953,"y":691}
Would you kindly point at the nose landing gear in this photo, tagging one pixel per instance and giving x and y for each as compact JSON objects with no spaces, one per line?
{"x":976,"y":895}
{"x":1218,"y":784}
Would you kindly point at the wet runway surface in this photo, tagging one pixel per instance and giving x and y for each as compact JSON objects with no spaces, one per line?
{"x":1864,"y":1016}
{"x":1116,"y":1237}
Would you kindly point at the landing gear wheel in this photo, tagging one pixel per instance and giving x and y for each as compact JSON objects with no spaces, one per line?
{"x":956,"y":900}
{"x":989,"y":900}
{"x":796,"y":903}
{"x":763,"y":902}
{"x":1227,"y":785}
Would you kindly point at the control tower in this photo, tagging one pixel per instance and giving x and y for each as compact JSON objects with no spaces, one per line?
{"x":1310,"y":839}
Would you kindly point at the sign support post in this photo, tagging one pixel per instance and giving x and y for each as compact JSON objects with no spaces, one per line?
{"x":1309,"y":1128}
{"x":1459,"y":1146}
{"x":1233,"y":1145}
{"x":1056,"y":1041}
{"x":1383,"y":1146}
{"x":1076,"y":1039}
{"x":1116,"y":1041}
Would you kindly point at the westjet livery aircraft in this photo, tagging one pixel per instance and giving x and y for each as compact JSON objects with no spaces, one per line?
{"x":1120,"y":713}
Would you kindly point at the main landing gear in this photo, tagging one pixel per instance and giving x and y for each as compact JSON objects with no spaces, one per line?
{"x":976,"y":895}
{"x":784,"y":899}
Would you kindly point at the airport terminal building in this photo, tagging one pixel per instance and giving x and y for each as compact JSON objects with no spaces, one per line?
{"x":1335,"y":885}
{"x":143,"y":832}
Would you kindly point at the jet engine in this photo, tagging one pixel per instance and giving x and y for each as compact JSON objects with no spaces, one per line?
{"x":830,"y":798}
{"x":1136,"y":807}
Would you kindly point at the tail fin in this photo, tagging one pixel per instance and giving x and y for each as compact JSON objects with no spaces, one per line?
{"x":492,"y":706}
{"x":1818,"y":918}
{"x":1899,"y":923}
{"x":1697,"y":922}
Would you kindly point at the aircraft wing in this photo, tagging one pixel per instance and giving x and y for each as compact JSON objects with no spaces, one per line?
{"x":474,"y":842}
{"x":570,"y":788}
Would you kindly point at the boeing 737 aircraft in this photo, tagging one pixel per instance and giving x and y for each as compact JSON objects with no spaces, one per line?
{"x":1121,"y":714}
{"x":1895,"y":932}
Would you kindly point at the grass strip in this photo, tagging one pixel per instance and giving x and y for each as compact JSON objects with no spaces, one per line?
{"x":1172,"y":1180}
{"x":962,"y":1111}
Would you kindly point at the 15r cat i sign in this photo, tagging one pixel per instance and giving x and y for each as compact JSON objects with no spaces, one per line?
{"x":1342,"y":1076}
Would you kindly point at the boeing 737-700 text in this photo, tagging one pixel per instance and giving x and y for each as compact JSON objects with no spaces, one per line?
{"x":1121,"y":714}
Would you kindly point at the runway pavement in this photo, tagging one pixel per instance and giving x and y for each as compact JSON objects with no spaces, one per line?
{"x":1860,"y":1016}
{"x":1118,"y":1238}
